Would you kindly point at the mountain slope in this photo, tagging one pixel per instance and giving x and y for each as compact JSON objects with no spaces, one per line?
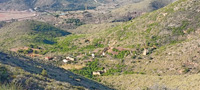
{"x":27,"y":32}
{"x":172,"y":23}
{"x":167,"y":35}
{"x":171,"y":37}
{"x":28,"y":72}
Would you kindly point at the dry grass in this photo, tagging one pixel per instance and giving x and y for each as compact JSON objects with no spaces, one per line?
{"x":139,"y":82}
{"x":72,"y":66}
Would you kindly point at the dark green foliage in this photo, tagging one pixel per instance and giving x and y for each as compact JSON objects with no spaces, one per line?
{"x":44,"y":72}
{"x":11,"y":86}
{"x":66,"y":44}
{"x":89,"y":47}
{"x":20,"y":51}
{"x":156,"y":4}
{"x":4,"y":75}
{"x":134,"y":57}
{"x":47,"y":29}
{"x":153,"y":41}
{"x":76,"y":22}
{"x":98,"y":43}
{"x":25,"y":51}
{"x":87,"y":71}
{"x":186,"y":70}
{"x":129,"y":72}
{"x":29,"y":50}
{"x":34,"y":46}
{"x":45,"y":33}
{"x":115,"y":50}
{"x":190,"y":30}
{"x":122,"y":54}
{"x":115,"y":70}
{"x":2,"y":23}
{"x":179,"y":30}
{"x":142,"y":73}
{"x":57,"y":16}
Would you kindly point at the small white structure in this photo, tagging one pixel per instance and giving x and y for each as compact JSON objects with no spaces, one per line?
{"x":70,"y":58}
{"x":65,"y":61}
{"x":145,"y":52}
{"x":96,"y":73}
{"x":48,"y":58}
{"x":93,"y":56}
{"x":103,"y":54}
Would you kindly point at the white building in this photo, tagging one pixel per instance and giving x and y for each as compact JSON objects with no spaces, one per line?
{"x":93,"y":56}
{"x":65,"y":61}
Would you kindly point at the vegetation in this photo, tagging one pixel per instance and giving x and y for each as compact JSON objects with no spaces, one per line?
{"x":179,"y":30}
{"x":44,"y":73}
{"x":4,"y":75}
{"x":45,"y":33}
{"x":89,"y":69}
{"x":122,"y":54}
{"x":159,"y":4}
{"x":116,"y":70}
{"x":167,"y":35}
{"x":10,"y":87}
{"x":76,"y":22}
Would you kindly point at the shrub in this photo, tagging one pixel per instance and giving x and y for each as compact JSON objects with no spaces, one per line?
{"x":186,"y":70}
{"x":11,"y":87}
{"x":4,"y":75}
{"x":179,"y":30}
{"x":115,"y":70}
{"x":76,"y":22}
{"x":20,"y":51}
{"x":87,"y":71}
{"x":115,"y":50}
{"x":122,"y":54}
{"x":33,"y":46}
{"x":44,"y":72}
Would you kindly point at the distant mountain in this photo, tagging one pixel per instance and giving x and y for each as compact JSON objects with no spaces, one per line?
{"x":46,"y":4}
{"x":65,"y":5}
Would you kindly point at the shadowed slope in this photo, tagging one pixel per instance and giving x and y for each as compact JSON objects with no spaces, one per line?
{"x":56,"y":73}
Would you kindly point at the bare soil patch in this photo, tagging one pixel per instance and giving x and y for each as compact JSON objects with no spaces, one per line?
{"x":20,"y":15}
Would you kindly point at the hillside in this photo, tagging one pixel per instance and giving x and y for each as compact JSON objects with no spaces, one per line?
{"x":157,"y":50}
{"x":166,"y":45}
{"x":162,"y":43}
{"x":29,"y":74}
{"x":27,"y":32}
{"x":156,"y":31}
